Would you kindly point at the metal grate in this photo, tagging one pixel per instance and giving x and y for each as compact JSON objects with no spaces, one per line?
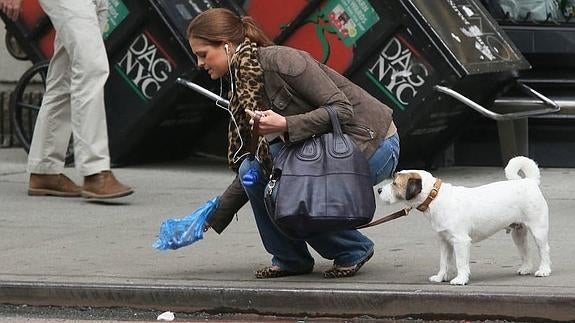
{"x":7,"y":136}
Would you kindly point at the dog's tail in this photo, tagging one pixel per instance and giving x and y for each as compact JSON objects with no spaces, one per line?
{"x":524,"y":164}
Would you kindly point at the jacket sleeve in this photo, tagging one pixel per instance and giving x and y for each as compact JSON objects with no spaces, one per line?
{"x":231,"y":201}
{"x":310,"y":82}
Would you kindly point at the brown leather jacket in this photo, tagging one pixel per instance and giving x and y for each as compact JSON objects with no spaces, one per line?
{"x":297,"y":86}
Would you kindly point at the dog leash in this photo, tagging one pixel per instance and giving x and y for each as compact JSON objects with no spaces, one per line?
{"x":388,"y":218}
{"x":255,"y":135}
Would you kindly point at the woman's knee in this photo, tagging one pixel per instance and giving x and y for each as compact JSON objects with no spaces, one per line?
{"x":384,"y":161}
{"x":386,"y":170}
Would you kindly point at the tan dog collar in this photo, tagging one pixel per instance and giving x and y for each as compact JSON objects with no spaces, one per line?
{"x":432,"y":195}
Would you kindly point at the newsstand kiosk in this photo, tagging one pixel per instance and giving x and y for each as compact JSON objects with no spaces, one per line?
{"x":403,"y":52}
{"x":150,"y":116}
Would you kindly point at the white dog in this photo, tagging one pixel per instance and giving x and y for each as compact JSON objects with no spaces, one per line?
{"x":462,"y":215}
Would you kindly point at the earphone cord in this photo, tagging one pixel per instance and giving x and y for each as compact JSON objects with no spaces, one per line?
{"x":235,"y":157}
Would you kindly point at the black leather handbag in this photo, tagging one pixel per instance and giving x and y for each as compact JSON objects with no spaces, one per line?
{"x":320,"y":185}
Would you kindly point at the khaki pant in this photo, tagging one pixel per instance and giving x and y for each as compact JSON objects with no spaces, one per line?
{"x":74,"y":97}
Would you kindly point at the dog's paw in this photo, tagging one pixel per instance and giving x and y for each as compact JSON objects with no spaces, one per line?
{"x":543,"y":272}
{"x":436,"y":278}
{"x":459,"y":280}
{"x":450,"y":275}
{"x":524,"y":270}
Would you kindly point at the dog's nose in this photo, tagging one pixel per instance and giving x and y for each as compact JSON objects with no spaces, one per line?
{"x":379,"y":190}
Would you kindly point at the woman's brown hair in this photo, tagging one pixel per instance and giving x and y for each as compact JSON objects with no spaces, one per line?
{"x":217,"y":25}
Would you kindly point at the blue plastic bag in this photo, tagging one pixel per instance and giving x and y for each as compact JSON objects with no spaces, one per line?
{"x":252,"y":176}
{"x":177,"y":233}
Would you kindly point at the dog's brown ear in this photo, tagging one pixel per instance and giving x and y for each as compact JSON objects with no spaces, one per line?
{"x":413,"y":188}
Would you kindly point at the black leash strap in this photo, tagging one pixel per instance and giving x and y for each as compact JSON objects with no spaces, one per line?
{"x":388,"y":218}
{"x":255,"y":136}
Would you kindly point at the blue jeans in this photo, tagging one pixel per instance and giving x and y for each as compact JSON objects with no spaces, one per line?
{"x":384,"y":160}
{"x":346,"y":248}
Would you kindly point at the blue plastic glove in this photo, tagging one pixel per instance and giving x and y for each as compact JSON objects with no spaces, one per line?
{"x":253,"y":174}
{"x":251,"y":177}
{"x":177,"y":233}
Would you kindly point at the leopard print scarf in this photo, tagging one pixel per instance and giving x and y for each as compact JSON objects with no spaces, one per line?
{"x":248,"y":94}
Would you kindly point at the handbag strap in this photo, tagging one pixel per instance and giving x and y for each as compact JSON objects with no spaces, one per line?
{"x":388,"y":218}
{"x":341,"y":145}
{"x":334,"y":120}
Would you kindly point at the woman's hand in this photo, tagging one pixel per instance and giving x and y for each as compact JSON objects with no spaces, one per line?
{"x":11,"y":8}
{"x":206,"y":227}
{"x":270,"y":122}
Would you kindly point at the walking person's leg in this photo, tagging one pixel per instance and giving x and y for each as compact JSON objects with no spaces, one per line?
{"x":52,"y":131}
{"x":78,"y":26}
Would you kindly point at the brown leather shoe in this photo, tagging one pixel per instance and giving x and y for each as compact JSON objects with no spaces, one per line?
{"x":104,"y":185}
{"x":52,"y":185}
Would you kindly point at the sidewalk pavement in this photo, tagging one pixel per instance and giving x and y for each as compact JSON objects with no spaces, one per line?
{"x":70,"y":252}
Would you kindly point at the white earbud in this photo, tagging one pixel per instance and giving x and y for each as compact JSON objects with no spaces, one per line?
{"x":226,"y":47}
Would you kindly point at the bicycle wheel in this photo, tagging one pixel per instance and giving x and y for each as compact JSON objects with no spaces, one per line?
{"x":25,"y":105}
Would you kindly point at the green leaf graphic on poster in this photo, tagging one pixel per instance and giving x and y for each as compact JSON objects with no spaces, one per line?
{"x":117,"y":11}
{"x":350,"y":18}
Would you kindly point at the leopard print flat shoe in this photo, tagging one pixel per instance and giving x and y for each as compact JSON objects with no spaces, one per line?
{"x":276,"y":272}
{"x":341,"y":272}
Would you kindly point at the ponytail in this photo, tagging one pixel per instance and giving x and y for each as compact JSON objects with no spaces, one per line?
{"x":255,"y":33}
{"x":217,"y":25}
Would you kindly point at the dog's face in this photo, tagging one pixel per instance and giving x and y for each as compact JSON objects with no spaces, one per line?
{"x":407,"y":185}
